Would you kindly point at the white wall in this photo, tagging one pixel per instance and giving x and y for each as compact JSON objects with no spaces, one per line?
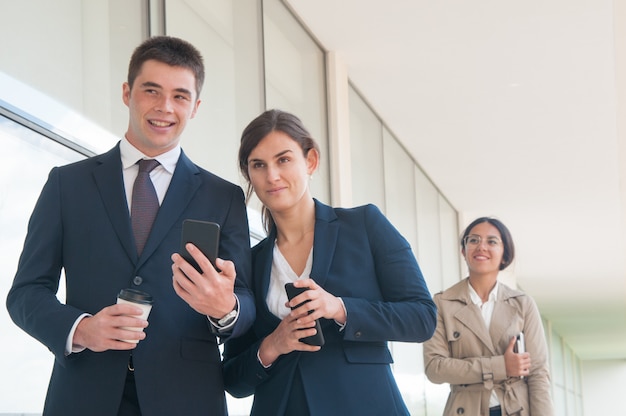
{"x":603,"y":386}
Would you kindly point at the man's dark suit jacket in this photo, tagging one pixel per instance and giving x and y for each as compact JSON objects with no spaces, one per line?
{"x":359,"y":256}
{"x":81,"y":224}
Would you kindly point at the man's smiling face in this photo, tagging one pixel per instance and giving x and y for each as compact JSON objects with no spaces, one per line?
{"x":161,"y":101}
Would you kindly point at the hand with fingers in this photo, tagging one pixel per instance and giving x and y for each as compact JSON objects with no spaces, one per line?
{"x":106,"y":329}
{"x":321,"y":304}
{"x":517,"y":365}
{"x":286,"y":338}
{"x":210,"y":293}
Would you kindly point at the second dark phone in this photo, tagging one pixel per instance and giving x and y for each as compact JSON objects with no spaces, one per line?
{"x":318,"y":338}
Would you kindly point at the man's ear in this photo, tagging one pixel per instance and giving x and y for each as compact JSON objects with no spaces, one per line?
{"x":126,"y":93}
{"x":195,"y":109}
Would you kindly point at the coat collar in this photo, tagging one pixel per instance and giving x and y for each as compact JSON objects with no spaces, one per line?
{"x":460,"y":292}
{"x":110,"y":183}
{"x":469,"y":314}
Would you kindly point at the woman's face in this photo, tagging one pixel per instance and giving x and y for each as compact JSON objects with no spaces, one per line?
{"x":279,"y":172}
{"x":483,"y":249}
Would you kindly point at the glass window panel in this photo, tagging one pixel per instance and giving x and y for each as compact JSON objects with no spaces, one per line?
{"x":295,"y":81}
{"x":450,"y":249}
{"x":399,"y":188}
{"x":211,"y":139}
{"x":428,"y":246}
{"x":408,"y":369}
{"x":436,"y":397}
{"x":84,"y":46}
{"x":558,"y":375}
{"x":25,"y":363}
{"x":560,"y":401}
{"x":366,"y":149}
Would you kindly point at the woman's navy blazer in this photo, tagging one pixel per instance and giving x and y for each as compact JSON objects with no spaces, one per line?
{"x":359,"y":256}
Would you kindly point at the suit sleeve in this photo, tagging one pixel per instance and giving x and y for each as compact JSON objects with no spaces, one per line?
{"x":235,"y":246}
{"x":406,"y":311}
{"x":32,"y":301}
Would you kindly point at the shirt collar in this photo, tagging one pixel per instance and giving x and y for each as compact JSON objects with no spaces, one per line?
{"x":493,"y":295}
{"x":130,"y":155}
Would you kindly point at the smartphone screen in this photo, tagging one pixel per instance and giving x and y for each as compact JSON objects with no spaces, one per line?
{"x":318,"y":338}
{"x":203,"y":234}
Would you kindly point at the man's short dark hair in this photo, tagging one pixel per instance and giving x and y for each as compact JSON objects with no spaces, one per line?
{"x":171,"y":51}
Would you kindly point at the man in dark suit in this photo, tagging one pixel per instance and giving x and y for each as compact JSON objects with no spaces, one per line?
{"x":81,"y":224}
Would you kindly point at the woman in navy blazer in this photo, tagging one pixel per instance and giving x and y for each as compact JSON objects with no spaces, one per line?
{"x":365,"y":288}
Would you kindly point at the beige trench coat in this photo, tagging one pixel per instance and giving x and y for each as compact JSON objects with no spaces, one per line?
{"x":470,"y":358}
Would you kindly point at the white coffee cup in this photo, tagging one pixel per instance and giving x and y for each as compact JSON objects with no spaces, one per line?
{"x":136,"y":298}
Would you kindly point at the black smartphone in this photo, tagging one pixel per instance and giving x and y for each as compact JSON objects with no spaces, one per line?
{"x":318,"y":338}
{"x":203,"y":234}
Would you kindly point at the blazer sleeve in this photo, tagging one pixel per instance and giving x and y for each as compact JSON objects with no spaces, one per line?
{"x":405,"y":310}
{"x":32,"y":301}
{"x":242,"y":370}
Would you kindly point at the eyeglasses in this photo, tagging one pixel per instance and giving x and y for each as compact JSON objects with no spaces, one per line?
{"x":475,"y":240}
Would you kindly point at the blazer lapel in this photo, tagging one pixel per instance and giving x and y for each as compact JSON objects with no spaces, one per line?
{"x":324,"y":241}
{"x":182,"y":189}
{"x":110,"y":183}
{"x":263,"y":259}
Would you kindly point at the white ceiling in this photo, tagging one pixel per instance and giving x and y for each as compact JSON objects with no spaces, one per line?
{"x":511,"y":108}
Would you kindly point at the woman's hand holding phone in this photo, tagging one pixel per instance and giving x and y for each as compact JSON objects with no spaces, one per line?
{"x":300,"y":315}
{"x":322,"y":304}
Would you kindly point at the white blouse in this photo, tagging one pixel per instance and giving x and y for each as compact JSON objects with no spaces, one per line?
{"x":283,"y":273}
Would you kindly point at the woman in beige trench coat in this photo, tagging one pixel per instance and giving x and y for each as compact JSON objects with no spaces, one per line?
{"x":474,"y":346}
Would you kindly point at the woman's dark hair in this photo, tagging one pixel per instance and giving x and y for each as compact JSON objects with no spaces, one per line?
{"x":507,"y":239}
{"x":171,"y":51}
{"x":257,"y":130}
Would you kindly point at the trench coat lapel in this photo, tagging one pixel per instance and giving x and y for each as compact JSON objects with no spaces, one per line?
{"x":471,"y":317}
{"x":469,"y":314}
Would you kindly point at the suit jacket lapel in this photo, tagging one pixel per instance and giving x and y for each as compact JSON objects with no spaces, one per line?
{"x":324,"y":241}
{"x":182,"y":189}
{"x":110,"y":183}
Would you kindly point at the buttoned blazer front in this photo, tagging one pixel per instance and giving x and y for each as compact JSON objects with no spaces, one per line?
{"x":81,"y":225}
{"x":359,"y":256}
{"x":463,"y":353}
